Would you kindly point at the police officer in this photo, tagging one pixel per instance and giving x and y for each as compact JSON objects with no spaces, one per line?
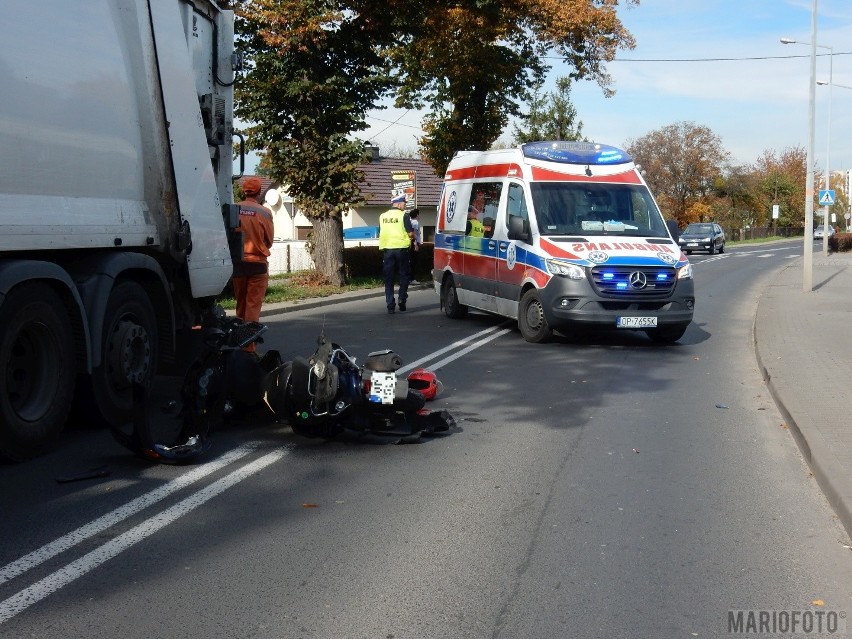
{"x":395,"y":235}
{"x":251,"y":274}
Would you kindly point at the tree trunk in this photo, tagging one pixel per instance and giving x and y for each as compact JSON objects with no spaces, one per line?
{"x":327,"y":249}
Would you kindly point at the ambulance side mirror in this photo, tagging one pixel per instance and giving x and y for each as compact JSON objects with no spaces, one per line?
{"x":518,"y":230}
{"x":674,"y":230}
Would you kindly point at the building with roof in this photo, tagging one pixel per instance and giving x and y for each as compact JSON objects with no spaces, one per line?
{"x":383,"y":178}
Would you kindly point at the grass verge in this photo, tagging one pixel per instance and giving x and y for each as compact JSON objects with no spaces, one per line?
{"x":289,"y":287}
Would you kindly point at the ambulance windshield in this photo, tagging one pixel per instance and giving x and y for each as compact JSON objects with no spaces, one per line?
{"x":569,"y":208}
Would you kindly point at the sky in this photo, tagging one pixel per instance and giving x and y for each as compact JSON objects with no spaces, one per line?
{"x":716,"y":63}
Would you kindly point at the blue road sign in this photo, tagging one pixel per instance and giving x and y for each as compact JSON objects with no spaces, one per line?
{"x":826,"y":197}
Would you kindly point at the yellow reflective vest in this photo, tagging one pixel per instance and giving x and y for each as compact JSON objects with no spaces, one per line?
{"x":392,"y":233}
{"x":476,"y":228}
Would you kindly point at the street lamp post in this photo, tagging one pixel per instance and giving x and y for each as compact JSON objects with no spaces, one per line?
{"x":842,"y":86}
{"x":828,"y":148}
{"x":808,"y":244}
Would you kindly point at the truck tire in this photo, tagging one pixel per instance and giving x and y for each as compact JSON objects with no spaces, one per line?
{"x":531,"y":320}
{"x":450,"y":301}
{"x":37,"y":370}
{"x":129,"y":355}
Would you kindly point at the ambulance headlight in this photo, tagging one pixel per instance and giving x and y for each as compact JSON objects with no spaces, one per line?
{"x":685,"y":272}
{"x":571,"y":271}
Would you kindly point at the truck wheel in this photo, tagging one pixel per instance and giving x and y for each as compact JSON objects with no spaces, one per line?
{"x":531,"y":320}
{"x":129,"y":355}
{"x":666,"y":335}
{"x":37,"y":370}
{"x":452,"y":308}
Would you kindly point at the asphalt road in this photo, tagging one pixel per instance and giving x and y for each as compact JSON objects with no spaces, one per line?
{"x":610,"y":488}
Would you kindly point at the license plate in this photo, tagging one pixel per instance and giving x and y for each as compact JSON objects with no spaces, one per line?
{"x":635,"y":322}
{"x":382,"y":387}
{"x":692,"y":244}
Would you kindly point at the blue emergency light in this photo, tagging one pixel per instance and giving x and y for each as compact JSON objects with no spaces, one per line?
{"x":588,"y":153}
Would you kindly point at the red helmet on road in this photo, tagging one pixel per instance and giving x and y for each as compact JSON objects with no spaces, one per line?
{"x":425,"y":381}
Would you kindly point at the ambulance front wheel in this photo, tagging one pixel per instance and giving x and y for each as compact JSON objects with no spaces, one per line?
{"x":531,"y":321}
{"x":450,"y":301}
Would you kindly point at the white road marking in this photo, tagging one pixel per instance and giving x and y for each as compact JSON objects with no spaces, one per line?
{"x":455,"y":345}
{"x":36,"y":557}
{"x":25,"y":598}
{"x":470,"y":348}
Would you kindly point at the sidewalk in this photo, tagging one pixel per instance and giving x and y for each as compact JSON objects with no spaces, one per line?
{"x":805,"y":355}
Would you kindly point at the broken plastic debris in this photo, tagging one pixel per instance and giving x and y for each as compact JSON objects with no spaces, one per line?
{"x":722,"y":406}
{"x":92,"y":473}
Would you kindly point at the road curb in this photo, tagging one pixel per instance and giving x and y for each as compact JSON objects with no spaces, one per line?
{"x":337,"y":298}
{"x":828,"y":472}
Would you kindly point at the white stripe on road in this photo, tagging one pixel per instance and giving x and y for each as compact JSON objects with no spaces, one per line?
{"x":38,"y":591}
{"x":24,"y":599}
{"x":481,"y":342}
{"x":62,"y":544}
{"x":454,"y":345}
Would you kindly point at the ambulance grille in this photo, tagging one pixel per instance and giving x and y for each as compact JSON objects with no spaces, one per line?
{"x":651,"y":281}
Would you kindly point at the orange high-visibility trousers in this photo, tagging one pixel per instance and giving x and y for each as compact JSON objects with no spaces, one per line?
{"x":250,"y":292}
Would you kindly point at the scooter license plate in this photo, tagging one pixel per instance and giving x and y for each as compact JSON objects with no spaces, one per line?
{"x":382,"y":387}
{"x":635,"y":322}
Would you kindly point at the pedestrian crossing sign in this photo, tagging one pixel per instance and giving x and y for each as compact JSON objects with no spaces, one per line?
{"x":826,"y":197}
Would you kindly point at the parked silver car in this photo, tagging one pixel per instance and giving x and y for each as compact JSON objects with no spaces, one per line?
{"x":818,"y":231}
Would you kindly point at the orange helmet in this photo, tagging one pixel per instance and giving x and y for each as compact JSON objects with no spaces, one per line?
{"x":426,"y":382}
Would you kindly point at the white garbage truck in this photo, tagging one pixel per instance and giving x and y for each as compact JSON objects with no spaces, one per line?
{"x":117,"y":223}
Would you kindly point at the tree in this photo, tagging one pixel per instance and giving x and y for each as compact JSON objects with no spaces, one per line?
{"x":736,"y":204}
{"x":473,"y":62}
{"x":551,"y":116}
{"x":781,"y":179}
{"x":314,"y":70}
{"x":682,"y":162}
{"x":315,"y":67}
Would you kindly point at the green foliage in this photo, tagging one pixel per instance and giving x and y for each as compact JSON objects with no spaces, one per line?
{"x":316,"y":67}
{"x":551,"y":116}
{"x":314,"y":71}
{"x":291,"y":287}
{"x":682,"y":164}
{"x":474,"y":62}
{"x":689,"y":174}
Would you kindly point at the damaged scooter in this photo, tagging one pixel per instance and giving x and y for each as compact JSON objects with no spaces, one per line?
{"x":324,"y":395}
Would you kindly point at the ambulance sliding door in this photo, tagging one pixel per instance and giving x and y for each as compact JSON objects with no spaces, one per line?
{"x":511,"y":254}
{"x":480,"y":254}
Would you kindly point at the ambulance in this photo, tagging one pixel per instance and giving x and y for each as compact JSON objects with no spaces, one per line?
{"x":561,"y":236}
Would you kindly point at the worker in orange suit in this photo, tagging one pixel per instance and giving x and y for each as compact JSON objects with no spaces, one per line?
{"x":251,"y":274}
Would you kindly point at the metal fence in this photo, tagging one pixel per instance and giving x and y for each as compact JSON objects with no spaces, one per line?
{"x":288,"y":257}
